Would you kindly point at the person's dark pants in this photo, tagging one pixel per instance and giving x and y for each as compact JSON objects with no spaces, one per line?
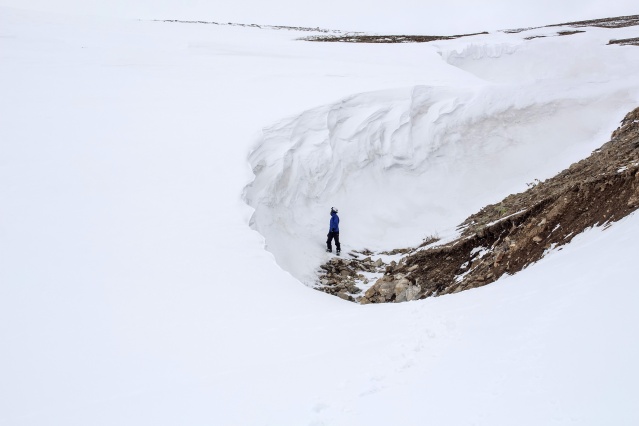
{"x":330,"y":236}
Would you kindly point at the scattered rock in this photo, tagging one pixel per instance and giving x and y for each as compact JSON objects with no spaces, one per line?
{"x":600,"y":189}
{"x":392,"y":289}
{"x":345,"y":296}
{"x":353,"y":289}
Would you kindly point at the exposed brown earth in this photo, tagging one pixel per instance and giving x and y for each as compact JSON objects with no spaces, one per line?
{"x":507,"y":237}
{"x":626,"y":42}
{"x":566,"y":33}
{"x":616,"y":22}
{"x":559,"y":33}
{"x":355,"y":38}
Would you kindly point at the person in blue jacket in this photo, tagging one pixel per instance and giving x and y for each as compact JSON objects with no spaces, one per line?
{"x":333,"y":232}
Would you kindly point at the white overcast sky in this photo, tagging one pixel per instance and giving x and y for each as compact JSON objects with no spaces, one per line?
{"x":396,"y":16}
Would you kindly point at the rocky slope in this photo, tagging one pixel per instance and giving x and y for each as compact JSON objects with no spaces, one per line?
{"x":506,"y":237}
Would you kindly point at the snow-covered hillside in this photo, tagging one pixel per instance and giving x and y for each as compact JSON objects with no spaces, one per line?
{"x":133,"y":290}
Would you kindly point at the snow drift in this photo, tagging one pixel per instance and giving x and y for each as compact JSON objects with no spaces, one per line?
{"x":403,"y":164}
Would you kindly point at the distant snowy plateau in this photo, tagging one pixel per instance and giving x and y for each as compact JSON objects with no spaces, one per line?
{"x":164,"y":200}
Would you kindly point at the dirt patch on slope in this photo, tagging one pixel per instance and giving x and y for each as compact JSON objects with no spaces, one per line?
{"x":626,"y":41}
{"x":356,"y":38}
{"x":506,"y":237}
{"x":616,"y":22}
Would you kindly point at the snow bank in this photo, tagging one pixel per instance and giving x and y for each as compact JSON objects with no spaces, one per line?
{"x":479,"y":51}
{"x":403,"y":164}
{"x":577,"y":59}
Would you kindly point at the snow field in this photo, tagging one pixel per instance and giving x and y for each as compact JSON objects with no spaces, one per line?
{"x":132,"y":290}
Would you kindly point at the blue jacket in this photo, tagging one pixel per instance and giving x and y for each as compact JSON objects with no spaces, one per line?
{"x":334,"y":226}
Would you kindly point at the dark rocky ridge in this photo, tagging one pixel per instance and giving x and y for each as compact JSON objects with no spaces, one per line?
{"x":506,"y":237}
{"x":615,"y":22}
{"x":359,"y":38}
{"x":626,"y":41}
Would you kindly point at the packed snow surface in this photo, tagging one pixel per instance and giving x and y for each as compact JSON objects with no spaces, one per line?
{"x":133,"y":290}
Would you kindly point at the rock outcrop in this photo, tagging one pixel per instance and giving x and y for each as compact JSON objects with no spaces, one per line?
{"x":344,"y":277}
{"x":393,"y":288}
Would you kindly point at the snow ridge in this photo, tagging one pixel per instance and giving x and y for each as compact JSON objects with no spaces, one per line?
{"x":387,"y":158}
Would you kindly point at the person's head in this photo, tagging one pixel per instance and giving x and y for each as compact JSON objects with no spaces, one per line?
{"x":333,"y":211}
